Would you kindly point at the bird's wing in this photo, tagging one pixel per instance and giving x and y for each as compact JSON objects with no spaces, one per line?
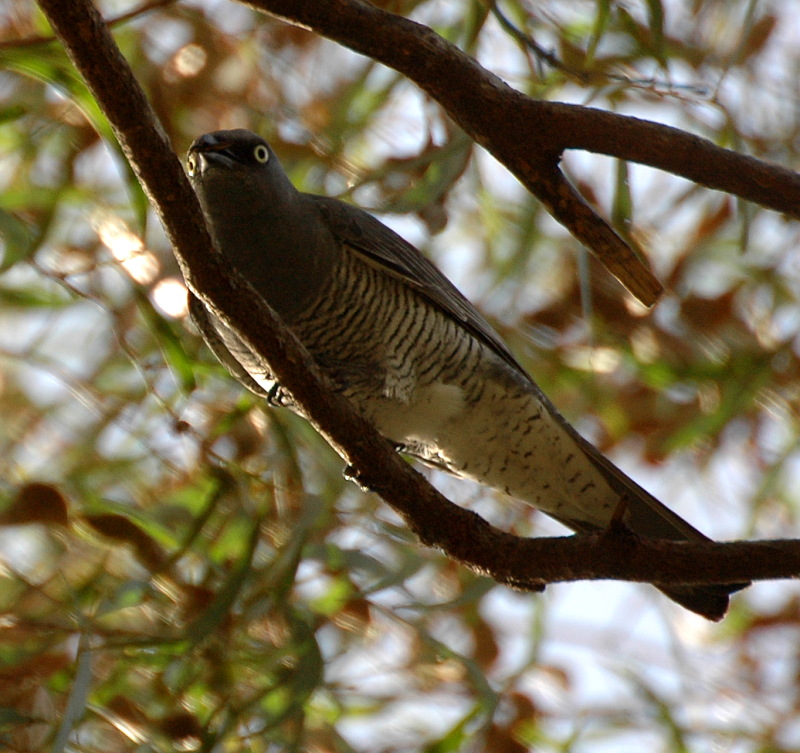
{"x":379,"y":245}
{"x":205,"y":323}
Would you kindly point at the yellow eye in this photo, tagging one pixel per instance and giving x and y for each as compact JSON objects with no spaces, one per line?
{"x":261,"y":153}
{"x":191,"y":165}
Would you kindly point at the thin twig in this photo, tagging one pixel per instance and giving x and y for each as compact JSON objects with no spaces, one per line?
{"x":34,"y":41}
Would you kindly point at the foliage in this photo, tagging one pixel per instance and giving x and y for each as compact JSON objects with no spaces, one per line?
{"x":184,"y":569}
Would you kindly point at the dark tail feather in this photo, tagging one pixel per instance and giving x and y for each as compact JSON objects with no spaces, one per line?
{"x":646,"y":516}
{"x":710,"y":602}
{"x":644,"y":519}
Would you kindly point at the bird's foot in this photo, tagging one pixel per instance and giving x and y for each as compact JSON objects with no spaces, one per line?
{"x":351,"y":473}
{"x":277,"y":397}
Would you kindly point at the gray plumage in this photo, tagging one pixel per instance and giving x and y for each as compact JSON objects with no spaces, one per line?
{"x":410,"y":352}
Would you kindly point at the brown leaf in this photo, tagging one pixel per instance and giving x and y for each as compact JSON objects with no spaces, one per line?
{"x":119,"y":528}
{"x":37,"y":503}
{"x":760,"y":34}
{"x":486,"y":649}
{"x":181,"y":726}
{"x":711,"y":314}
{"x":354,"y":616}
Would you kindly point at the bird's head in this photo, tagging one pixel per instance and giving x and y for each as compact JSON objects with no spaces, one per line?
{"x":268,"y":229}
{"x":237,"y":163}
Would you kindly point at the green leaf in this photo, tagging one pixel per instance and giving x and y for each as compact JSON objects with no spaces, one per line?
{"x":18,"y":240}
{"x":11,"y":717}
{"x":622,"y":205}
{"x":655,"y":17}
{"x":601,"y":20}
{"x":33,"y":298}
{"x":49,"y":64}
{"x":216,"y":613}
{"x":11,"y":113}
{"x":457,"y":736}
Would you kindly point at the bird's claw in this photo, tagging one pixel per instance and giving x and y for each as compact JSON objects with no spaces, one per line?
{"x":618,"y":524}
{"x":276,"y":397}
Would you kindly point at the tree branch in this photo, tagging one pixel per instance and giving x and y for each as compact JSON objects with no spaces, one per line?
{"x":463,"y":535}
{"x":529,"y":136}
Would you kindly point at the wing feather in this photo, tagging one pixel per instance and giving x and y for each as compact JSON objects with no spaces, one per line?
{"x":379,"y":245}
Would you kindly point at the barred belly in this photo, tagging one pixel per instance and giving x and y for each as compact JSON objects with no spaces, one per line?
{"x":429,"y":385}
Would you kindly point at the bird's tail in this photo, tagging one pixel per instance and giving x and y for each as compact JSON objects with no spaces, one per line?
{"x":648,"y":517}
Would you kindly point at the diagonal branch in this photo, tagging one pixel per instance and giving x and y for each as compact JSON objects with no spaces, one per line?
{"x":463,"y":535}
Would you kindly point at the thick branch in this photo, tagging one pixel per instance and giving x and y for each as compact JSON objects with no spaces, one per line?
{"x":522,"y":132}
{"x":527,"y":563}
{"x":529,"y":136}
{"x":492,"y":113}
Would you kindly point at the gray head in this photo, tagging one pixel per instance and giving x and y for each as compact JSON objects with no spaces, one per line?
{"x":270,"y":231}
{"x":238,"y":157}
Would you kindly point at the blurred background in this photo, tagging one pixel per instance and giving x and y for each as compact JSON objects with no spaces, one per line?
{"x":182,"y":568}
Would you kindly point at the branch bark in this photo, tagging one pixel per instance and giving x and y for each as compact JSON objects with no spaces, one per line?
{"x":463,"y":535}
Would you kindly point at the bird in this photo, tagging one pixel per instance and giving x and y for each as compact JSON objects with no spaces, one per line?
{"x":408,"y":350}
